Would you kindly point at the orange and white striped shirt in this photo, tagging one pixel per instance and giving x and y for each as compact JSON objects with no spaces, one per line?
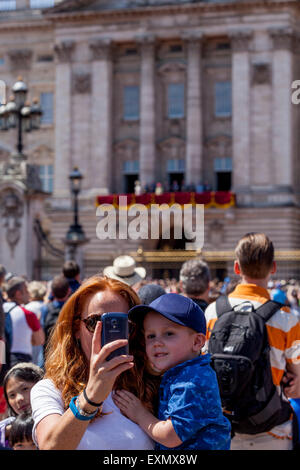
{"x":283,"y":328}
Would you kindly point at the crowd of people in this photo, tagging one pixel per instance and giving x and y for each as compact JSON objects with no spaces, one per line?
{"x":60,"y":390}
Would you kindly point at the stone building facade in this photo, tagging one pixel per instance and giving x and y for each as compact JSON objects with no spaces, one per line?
{"x":198,"y":91}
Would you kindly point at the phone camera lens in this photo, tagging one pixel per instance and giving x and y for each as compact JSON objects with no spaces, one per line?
{"x":114,"y":323}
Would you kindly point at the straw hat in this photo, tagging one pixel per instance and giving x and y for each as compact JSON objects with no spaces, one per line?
{"x":124,"y":269}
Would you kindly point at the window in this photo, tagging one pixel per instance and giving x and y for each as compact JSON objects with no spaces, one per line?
{"x":41,"y":3}
{"x":131,"y":103}
{"x":131,"y":166}
{"x":221,"y":46}
{"x":176,"y":165}
{"x":175,"y":170}
{"x":130,"y":175}
{"x":223,"y":171}
{"x":223,"y":99}
{"x":2,"y":61}
{"x":131,"y":51}
{"x":175,"y":100}
{"x":46,"y":177}
{"x":175,"y":48}
{"x":45,"y":58}
{"x":47,"y":108}
{"x":6,"y":5}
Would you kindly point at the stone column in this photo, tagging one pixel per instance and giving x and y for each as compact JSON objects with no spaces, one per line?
{"x":241,"y":109}
{"x":101,"y":133}
{"x":194,"y":131}
{"x":282,"y":123}
{"x":147,"y":110}
{"x":63,"y":117}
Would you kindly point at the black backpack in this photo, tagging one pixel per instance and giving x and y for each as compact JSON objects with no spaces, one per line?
{"x":239,"y":351}
{"x":50,"y":321}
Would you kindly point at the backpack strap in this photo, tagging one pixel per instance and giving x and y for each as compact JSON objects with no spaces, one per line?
{"x":222,"y":305}
{"x":267,"y":310}
{"x":10,"y":310}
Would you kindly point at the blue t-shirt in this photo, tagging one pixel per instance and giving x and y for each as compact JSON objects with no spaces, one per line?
{"x":189,"y":395}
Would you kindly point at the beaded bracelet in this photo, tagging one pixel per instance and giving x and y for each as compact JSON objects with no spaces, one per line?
{"x":78,"y":412}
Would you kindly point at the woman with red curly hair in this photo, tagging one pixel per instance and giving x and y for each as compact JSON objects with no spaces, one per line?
{"x":72,"y":406}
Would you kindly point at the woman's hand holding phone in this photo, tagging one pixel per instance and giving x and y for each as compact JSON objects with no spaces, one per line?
{"x":103,"y":372}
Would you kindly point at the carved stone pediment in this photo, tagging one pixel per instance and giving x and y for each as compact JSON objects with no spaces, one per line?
{"x":173,"y":148}
{"x":172,"y":68}
{"x":127,"y":149}
{"x":42,"y":154}
{"x":219,"y":146}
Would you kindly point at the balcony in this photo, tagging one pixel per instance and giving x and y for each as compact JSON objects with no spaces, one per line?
{"x":217,"y":199}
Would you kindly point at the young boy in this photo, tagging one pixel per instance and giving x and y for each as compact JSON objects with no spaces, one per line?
{"x":189,"y":412}
{"x":255,"y":264}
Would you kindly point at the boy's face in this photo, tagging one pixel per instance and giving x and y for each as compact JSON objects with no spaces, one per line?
{"x":168,"y":343}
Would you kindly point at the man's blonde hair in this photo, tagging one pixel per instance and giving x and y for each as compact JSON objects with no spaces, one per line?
{"x":255,"y":255}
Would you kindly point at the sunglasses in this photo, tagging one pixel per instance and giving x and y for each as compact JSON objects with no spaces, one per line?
{"x":91,"y":322}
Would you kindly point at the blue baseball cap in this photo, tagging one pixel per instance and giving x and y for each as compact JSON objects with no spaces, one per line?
{"x":174,"y":307}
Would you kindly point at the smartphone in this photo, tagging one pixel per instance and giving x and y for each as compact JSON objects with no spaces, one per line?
{"x":114,"y":326}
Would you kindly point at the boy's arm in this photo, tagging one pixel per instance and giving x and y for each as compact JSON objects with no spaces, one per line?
{"x":160,"y":431}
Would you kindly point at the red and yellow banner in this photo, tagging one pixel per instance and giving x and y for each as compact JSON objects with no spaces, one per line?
{"x":218,"y":199}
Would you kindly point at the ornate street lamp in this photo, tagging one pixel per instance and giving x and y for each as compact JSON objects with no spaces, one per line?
{"x":75,"y":235}
{"x":18,"y":113}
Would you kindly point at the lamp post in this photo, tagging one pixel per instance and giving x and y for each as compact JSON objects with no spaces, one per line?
{"x":75,"y":235}
{"x":18,"y":113}
{"x":20,"y":191}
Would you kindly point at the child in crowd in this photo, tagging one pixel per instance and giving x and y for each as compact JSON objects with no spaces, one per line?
{"x":20,"y":436}
{"x":189,"y":411}
{"x":17,"y":385}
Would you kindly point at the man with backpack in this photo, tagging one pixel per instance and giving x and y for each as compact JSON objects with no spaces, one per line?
{"x":255,"y":351}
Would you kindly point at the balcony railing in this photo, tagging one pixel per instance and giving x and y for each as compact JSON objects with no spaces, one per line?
{"x":218,"y":199}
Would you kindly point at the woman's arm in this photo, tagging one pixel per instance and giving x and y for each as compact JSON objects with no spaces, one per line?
{"x":64,"y":432}
{"x":160,"y":431}
{"x":56,"y":432}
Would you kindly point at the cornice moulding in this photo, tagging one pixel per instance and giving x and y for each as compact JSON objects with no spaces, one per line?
{"x":33,"y":24}
{"x":147,"y":11}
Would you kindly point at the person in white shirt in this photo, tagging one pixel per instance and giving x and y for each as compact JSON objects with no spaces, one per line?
{"x":72,"y":407}
{"x":26,"y":328}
